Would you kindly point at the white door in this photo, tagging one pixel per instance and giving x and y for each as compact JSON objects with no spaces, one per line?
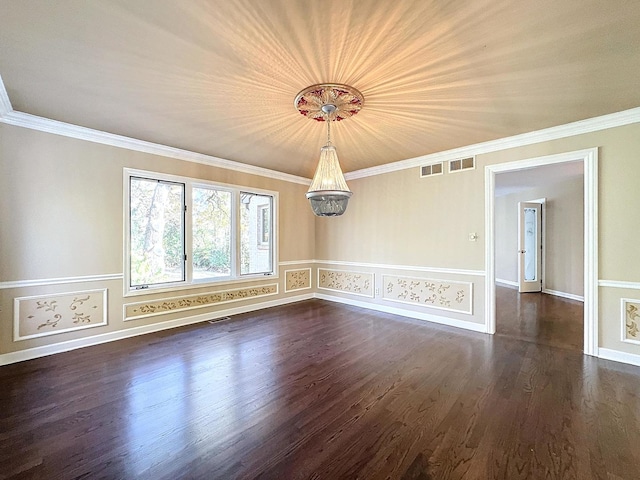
{"x":529,"y":247}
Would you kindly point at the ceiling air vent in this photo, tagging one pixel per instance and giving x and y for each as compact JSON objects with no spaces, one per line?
{"x":433,"y":169}
{"x":462,"y":164}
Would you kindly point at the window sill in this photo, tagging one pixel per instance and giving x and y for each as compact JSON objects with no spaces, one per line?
{"x":198,"y":285}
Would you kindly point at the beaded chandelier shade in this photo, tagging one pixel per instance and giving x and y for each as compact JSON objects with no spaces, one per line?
{"x":329,"y":193}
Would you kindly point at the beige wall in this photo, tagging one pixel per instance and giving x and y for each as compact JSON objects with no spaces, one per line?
{"x":401,"y":219}
{"x":62,"y":216}
{"x":61,"y":211}
{"x":564,"y":234}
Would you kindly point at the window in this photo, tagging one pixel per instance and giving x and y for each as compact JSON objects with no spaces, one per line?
{"x":156,"y":231}
{"x":255,"y":226}
{"x":182,"y":231}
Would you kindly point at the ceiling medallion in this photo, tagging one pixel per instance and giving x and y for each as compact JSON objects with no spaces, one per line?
{"x":329,"y":102}
{"x":347,"y":100}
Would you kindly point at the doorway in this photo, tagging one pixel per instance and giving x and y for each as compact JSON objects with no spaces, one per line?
{"x":588,"y":159}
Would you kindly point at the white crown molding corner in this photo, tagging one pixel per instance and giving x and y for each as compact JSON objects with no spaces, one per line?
{"x":603,"y":122}
{"x":618,"y":356}
{"x":5,"y":103}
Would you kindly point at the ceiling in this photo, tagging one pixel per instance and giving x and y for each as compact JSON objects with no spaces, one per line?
{"x":220,"y":77}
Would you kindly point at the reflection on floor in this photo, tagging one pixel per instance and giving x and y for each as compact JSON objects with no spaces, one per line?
{"x":539,"y":318}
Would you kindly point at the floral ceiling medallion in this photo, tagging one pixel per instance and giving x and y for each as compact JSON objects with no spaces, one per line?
{"x":347,"y":101}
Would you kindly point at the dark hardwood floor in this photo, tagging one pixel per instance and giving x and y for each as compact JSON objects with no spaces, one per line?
{"x":540,"y":318}
{"x":317,"y":390}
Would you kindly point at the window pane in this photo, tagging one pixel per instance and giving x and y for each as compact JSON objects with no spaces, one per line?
{"x":211,"y":216}
{"x":256,"y":231}
{"x":530,"y":250}
{"x":157,"y":231}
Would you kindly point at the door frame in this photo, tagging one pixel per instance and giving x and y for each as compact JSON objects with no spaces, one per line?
{"x":589,"y":158}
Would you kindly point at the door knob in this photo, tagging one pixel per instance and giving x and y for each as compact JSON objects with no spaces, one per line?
{"x":521,"y":251}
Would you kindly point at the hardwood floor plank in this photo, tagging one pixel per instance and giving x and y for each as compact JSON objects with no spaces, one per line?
{"x":316,"y":390}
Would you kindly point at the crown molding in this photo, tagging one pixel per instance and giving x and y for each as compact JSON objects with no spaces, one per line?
{"x":34,"y":122}
{"x":5,"y":103}
{"x":20,"y":119}
{"x":595,"y":124}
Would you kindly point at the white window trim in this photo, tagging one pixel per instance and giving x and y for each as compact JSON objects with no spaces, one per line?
{"x":189,"y":283}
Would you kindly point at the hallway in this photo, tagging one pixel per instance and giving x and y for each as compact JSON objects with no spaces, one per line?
{"x":539,"y":318}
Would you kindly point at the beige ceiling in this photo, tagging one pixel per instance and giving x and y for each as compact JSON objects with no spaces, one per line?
{"x":219,"y":77}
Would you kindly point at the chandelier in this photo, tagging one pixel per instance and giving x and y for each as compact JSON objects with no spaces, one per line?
{"x":329,"y":102}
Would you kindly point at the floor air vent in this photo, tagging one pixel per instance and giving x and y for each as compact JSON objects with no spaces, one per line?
{"x":216,"y":320}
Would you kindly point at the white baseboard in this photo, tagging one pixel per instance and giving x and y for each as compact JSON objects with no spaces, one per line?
{"x":557,"y":293}
{"x":36,"y":352}
{"x":570,"y":296}
{"x":451,"y":322}
{"x":617,"y":356}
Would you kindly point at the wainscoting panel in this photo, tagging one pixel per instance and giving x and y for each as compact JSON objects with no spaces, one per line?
{"x":42,"y":315}
{"x":630,"y":320}
{"x":354,"y":283}
{"x":134,"y":311}
{"x":429,"y":292}
{"x":299,"y":279}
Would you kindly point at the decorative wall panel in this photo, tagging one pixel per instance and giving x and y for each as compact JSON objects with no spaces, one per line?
{"x":631,"y":320}
{"x":297,"y":279}
{"x":355,"y":283}
{"x":133,"y":311}
{"x":429,"y":292}
{"x":43,"y":315}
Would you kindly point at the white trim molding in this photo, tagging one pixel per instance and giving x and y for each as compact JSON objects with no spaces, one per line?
{"x":415,"y":289}
{"x":5,"y":103}
{"x":413,"y":268}
{"x":351,"y":279}
{"x":165,"y":306}
{"x":619,"y":284}
{"x":61,"y":280}
{"x":36,"y":352}
{"x":65,"y":316}
{"x":557,"y":293}
{"x":295,"y":262}
{"x":34,"y":122}
{"x":450,"y":322}
{"x":298,"y":288}
{"x":589,"y":157}
{"x":618,"y":119}
{"x":617,"y":356}
{"x":507,"y":283}
{"x":624,"y":330}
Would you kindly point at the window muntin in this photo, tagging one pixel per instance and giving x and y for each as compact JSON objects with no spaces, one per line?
{"x":214,"y":227}
{"x":156,"y":232}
